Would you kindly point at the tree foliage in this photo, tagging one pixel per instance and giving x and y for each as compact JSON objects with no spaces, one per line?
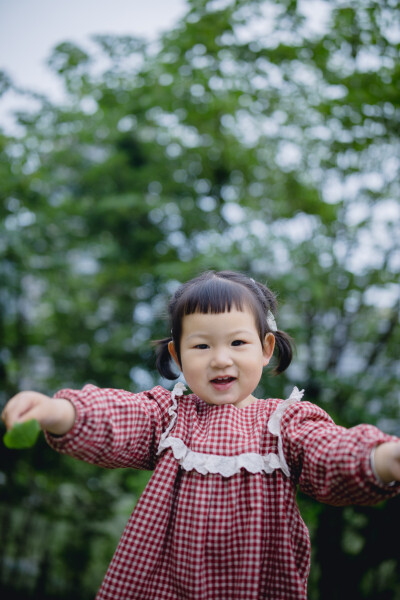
{"x":253,"y":136}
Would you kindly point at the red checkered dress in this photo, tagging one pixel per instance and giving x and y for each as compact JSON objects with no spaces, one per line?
{"x":218,"y":519}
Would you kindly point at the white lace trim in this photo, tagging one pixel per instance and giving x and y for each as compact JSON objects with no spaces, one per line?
{"x":228,"y":465}
{"x":224,"y":465}
{"x":178,"y":390}
{"x":274,"y":424}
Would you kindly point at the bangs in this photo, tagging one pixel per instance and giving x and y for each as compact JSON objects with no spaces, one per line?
{"x":215,"y":296}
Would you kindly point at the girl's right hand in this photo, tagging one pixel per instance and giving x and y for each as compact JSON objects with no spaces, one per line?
{"x":56,"y":416}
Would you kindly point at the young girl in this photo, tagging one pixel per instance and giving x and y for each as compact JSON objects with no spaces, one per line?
{"x":218,"y":519}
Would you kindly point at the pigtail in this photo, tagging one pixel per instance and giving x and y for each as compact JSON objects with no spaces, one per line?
{"x":283,"y":342}
{"x":284,"y":345}
{"x":164,"y":359}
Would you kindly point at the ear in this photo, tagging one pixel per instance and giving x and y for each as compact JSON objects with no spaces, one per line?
{"x":172,"y":351}
{"x":269,"y":345}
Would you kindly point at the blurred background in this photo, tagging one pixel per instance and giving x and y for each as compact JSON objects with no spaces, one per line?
{"x":257,"y":135}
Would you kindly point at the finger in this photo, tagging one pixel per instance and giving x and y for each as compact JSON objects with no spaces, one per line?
{"x":18,"y":409}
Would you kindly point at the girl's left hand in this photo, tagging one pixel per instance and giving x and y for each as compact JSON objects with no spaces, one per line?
{"x":387,"y":461}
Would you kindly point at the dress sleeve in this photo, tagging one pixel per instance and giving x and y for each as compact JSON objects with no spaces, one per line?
{"x":332,"y":463}
{"x":114,"y":428}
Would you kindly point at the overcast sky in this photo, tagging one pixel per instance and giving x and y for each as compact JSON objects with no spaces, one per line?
{"x":29,"y":29}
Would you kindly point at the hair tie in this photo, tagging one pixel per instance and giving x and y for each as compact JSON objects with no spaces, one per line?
{"x":271,"y":321}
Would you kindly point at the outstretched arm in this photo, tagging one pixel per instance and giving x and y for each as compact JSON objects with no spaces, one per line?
{"x":333,"y":464}
{"x":111,"y":428}
{"x":387,"y":461}
{"x":57,"y":417}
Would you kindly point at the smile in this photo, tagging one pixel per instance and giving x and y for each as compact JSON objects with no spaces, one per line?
{"x":223,"y":383}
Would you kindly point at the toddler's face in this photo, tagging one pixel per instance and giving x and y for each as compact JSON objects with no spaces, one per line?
{"x":222,"y":356}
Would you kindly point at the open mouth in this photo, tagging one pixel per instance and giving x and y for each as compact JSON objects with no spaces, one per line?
{"x":223,"y":383}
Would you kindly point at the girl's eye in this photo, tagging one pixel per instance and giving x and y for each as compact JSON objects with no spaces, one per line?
{"x":201,"y":346}
{"x":238,"y":343}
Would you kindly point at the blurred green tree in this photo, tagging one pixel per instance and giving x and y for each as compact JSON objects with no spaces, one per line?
{"x":258,"y":135}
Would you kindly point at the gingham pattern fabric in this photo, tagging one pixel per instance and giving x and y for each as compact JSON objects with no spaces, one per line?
{"x":203,"y":536}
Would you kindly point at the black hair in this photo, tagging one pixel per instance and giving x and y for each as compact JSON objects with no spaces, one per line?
{"x":217,"y":292}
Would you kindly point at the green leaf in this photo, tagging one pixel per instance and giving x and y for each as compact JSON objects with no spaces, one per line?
{"x":22,"y":435}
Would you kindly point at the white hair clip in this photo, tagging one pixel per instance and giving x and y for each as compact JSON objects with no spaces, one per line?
{"x":271,"y":321}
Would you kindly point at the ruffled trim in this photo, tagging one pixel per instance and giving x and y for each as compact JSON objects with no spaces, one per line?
{"x":223,"y":465}
{"x":228,"y":465}
{"x":178,"y":390}
{"x":274,"y":425}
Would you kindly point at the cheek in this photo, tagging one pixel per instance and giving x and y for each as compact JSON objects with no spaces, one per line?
{"x":189,"y":366}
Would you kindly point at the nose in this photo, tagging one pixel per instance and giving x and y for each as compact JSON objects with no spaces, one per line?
{"x":221,"y":358}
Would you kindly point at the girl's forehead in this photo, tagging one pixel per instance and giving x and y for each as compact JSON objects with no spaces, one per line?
{"x":231,"y":319}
